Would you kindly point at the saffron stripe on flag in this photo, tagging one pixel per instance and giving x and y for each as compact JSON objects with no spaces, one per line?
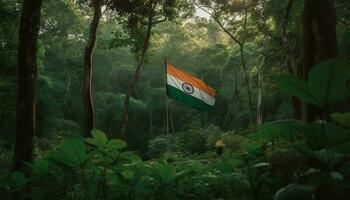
{"x":188,"y":78}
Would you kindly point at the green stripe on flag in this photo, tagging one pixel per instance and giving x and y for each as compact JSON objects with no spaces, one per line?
{"x":187,"y":99}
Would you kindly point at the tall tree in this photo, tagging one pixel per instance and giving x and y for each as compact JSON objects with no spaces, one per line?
{"x":142,"y":16}
{"x":319,"y":40}
{"x":230,"y":15}
{"x":288,"y":56}
{"x":27,"y":73}
{"x":87,"y":96}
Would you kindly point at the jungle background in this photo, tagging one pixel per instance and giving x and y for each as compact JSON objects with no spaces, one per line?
{"x":249,"y":51}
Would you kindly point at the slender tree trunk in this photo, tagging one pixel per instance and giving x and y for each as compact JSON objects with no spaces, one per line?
{"x":151,"y":122}
{"x":27,"y":55}
{"x":319,"y":41}
{"x":247,"y":83}
{"x":259,"y":119}
{"x":67,"y":94}
{"x":287,"y":55}
{"x":135,"y":78}
{"x":244,"y":66}
{"x":288,"y":59}
{"x":259,"y":115}
{"x":87,"y":97}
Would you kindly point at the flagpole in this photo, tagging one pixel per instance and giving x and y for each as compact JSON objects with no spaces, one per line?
{"x":166,"y":99}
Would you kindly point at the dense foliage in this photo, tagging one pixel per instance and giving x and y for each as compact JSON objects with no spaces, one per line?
{"x":275,"y":157}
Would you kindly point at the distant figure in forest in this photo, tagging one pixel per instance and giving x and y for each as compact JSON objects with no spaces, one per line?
{"x":219,"y":146}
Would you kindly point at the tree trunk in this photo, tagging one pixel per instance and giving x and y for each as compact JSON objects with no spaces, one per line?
{"x":287,"y":58}
{"x":66,"y":96}
{"x":87,"y":97}
{"x":243,"y":63}
{"x":319,"y":41}
{"x":247,"y":82}
{"x":244,"y":66}
{"x":27,"y":55}
{"x":135,"y":78}
{"x":259,"y":115}
{"x":259,"y":119}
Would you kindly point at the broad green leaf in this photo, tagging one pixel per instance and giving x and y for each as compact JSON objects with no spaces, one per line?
{"x":341,"y":118}
{"x":296,"y":87}
{"x":18,"y":179}
{"x":327,"y":81}
{"x":99,"y":137}
{"x":72,"y":152}
{"x":262,"y":165}
{"x":165,"y":172}
{"x":326,"y":84}
{"x":240,"y":180}
{"x":127,"y":174}
{"x":130,"y":156}
{"x":91,"y":141}
{"x":116,"y":144}
{"x":337,"y":176}
{"x":327,"y":156}
{"x":295,"y":191}
{"x":324,"y":135}
{"x":288,"y":129}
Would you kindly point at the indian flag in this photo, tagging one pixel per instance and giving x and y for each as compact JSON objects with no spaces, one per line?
{"x":188,"y":89}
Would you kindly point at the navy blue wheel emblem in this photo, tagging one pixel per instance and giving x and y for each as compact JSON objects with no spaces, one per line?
{"x":188,"y":88}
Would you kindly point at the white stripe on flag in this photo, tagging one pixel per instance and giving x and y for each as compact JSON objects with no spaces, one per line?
{"x":197,"y":93}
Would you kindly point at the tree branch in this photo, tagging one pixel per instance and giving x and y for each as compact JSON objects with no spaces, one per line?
{"x":217,"y":20}
{"x":159,"y":21}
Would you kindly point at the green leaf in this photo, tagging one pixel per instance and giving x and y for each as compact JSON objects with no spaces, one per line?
{"x":296,"y":87}
{"x":327,"y":156}
{"x":337,"y":176}
{"x":165,"y":172}
{"x":324,"y":135}
{"x":288,"y":129}
{"x":98,"y":138}
{"x":327,"y":81}
{"x":116,"y":144}
{"x":127,"y":174}
{"x":341,"y":118}
{"x":130,"y":156}
{"x":18,"y":179}
{"x":71,"y":152}
{"x":295,"y":191}
{"x":40,"y":165}
{"x":326,"y":84}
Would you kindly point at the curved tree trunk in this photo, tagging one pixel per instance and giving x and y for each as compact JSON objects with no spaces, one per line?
{"x":88,"y":102}
{"x":135,"y":78}
{"x":27,"y":54}
{"x":319,"y":41}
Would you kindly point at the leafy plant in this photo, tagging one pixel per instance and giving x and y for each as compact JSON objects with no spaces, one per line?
{"x":326,"y":85}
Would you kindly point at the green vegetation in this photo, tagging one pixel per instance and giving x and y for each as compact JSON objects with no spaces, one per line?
{"x":280,"y":128}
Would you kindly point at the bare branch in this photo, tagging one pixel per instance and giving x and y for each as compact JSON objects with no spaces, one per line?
{"x":217,"y":20}
{"x":159,"y":21}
